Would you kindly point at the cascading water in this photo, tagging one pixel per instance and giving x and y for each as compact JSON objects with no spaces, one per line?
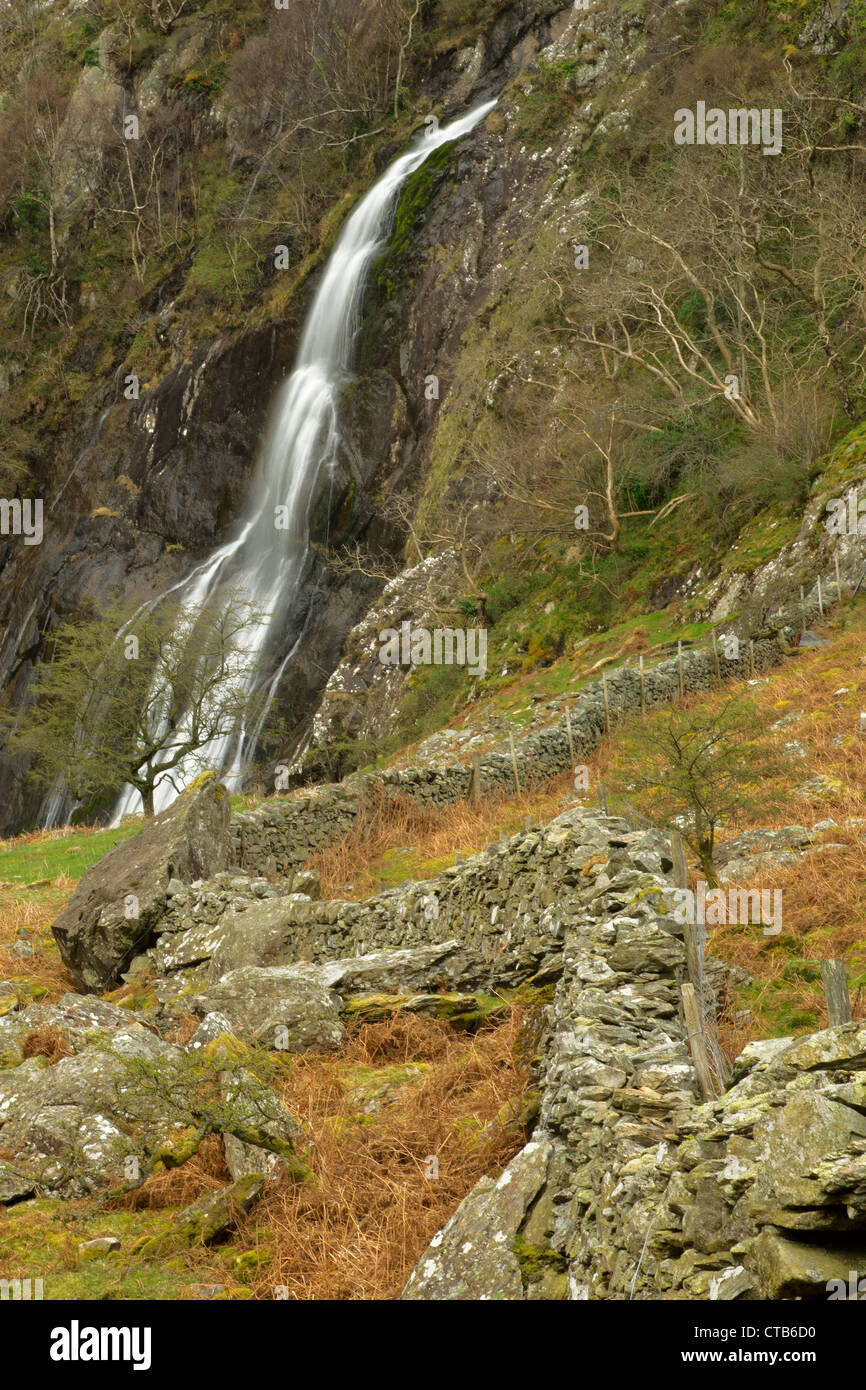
{"x":262,"y":564}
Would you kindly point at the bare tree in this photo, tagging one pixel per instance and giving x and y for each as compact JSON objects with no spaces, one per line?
{"x":31,"y":136}
{"x":700,"y":291}
{"x":147,"y":182}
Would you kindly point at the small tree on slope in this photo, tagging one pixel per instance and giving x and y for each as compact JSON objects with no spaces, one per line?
{"x":128,"y":699}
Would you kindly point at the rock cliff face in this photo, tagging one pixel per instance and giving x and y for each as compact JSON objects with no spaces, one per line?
{"x":137,"y":491}
{"x":155,"y":486}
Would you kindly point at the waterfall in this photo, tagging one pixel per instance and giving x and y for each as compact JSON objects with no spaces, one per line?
{"x":264,"y":565}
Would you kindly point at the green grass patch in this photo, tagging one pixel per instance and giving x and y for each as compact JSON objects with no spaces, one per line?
{"x":45,"y":858}
{"x":39,"y":1240}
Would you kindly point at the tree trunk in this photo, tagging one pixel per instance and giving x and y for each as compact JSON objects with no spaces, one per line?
{"x":147,"y":798}
{"x":705,"y":858}
{"x":52,"y":233}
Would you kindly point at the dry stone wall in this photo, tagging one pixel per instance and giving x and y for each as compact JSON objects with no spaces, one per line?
{"x":511,"y":906}
{"x":280,"y":836}
{"x":631,"y":1187}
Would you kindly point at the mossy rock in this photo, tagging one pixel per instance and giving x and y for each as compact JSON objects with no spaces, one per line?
{"x":463,"y":1010}
{"x":227,"y":1048}
{"x":205,"y":1220}
{"x":520,"y":1111}
{"x":18,"y":991}
{"x":538,"y":1262}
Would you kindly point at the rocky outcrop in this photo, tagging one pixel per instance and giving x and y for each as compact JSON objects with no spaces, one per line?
{"x":362,"y":697}
{"x":277,"y":1006}
{"x":119,"y":901}
{"x":123,"y":1103}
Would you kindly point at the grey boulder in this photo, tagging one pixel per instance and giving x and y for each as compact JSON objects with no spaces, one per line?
{"x":119,"y":901}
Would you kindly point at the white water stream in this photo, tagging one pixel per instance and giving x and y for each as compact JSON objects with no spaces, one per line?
{"x":264,"y":565}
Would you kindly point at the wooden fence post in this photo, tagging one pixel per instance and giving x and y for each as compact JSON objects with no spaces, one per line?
{"x":836,"y":991}
{"x":514,"y":764}
{"x":475,"y":780}
{"x":679,"y":858}
{"x":697,"y":1043}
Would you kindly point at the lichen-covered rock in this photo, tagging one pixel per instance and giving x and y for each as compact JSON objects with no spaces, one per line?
{"x":78,"y":1019}
{"x":791,"y":1141}
{"x":242,"y":1159}
{"x":277,"y":1006}
{"x":71,"y":1125}
{"x":474,"y":1257}
{"x":98,"y":1247}
{"x":260,"y":934}
{"x":14,"y":1185}
{"x":126,"y":1102}
{"x":88,"y":131}
{"x":212,"y":1027}
{"x":362,"y":696}
{"x":121,"y":898}
{"x":796,"y":1269}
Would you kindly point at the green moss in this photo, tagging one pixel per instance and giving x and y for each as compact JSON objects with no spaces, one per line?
{"x":415,"y":199}
{"x":550,"y":102}
{"x":537,"y":1262}
{"x":762,"y":539}
{"x":801,"y":970}
{"x":39,"y":1239}
{"x":365,"y":1081}
{"x":461,"y":1010}
{"x":197,"y":782}
{"x":23,"y":992}
{"x":247,"y":1263}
